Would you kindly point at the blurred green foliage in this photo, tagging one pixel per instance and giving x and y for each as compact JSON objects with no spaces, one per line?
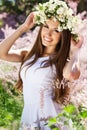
{"x":19,"y":6}
{"x":11,"y":104}
{"x":71,"y":116}
{"x":1,"y":23}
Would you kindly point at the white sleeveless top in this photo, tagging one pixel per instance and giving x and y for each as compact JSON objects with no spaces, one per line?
{"x":38,"y":94}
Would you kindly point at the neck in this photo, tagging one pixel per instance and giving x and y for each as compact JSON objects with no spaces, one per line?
{"x":49,"y":51}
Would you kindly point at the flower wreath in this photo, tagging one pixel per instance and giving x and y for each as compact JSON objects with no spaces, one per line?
{"x":58,"y":10}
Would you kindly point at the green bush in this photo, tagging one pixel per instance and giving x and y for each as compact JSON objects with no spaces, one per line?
{"x":11,"y":105}
{"x":71,"y":116}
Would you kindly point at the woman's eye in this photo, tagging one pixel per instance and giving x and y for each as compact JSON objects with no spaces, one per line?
{"x":56,"y":31}
{"x":46,"y":26}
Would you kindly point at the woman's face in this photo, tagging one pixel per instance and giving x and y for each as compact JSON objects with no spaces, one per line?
{"x":50,"y":35}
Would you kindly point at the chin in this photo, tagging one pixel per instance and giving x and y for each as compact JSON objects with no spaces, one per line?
{"x":46,"y":44}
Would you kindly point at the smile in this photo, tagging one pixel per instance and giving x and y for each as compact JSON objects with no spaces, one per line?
{"x":47,"y":39}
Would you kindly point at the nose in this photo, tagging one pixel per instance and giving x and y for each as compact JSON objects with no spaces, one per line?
{"x":49,"y":32}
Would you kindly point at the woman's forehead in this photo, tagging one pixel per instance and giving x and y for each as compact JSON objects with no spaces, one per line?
{"x":52,"y":23}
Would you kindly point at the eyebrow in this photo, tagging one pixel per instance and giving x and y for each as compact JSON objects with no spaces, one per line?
{"x":51,"y":28}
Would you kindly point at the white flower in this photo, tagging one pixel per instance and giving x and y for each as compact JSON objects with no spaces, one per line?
{"x":51,"y":7}
{"x":51,"y":1}
{"x":69,"y":23}
{"x":60,"y":28}
{"x":58,"y":10}
{"x":55,"y":1}
{"x":68,"y":12}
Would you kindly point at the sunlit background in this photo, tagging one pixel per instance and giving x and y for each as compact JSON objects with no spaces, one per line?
{"x":12,"y":14}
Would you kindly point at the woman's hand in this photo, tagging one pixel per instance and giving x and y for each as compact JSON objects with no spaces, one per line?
{"x":75,"y":71}
{"x":72,"y":69}
{"x":29,"y":22}
{"x":75,"y":45}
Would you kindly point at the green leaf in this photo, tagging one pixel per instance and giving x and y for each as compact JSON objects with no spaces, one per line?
{"x":56,"y":128}
{"x":52,"y":121}
{"x":83,"y":114}
{"x":9,"y":116}
{"x":70,"y":108}
{"x":41,"y":7}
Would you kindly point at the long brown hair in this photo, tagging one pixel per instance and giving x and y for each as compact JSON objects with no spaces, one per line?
{"x":59,"y":58}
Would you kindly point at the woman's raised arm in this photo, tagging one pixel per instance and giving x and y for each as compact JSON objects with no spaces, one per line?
{"x":72,"y":68}
{"x":7,"y":43}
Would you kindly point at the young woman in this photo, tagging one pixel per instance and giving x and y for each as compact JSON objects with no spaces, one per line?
{"x":44,"y":66}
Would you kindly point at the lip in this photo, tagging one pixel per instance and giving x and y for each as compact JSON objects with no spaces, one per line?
{"x":47,"y":39}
